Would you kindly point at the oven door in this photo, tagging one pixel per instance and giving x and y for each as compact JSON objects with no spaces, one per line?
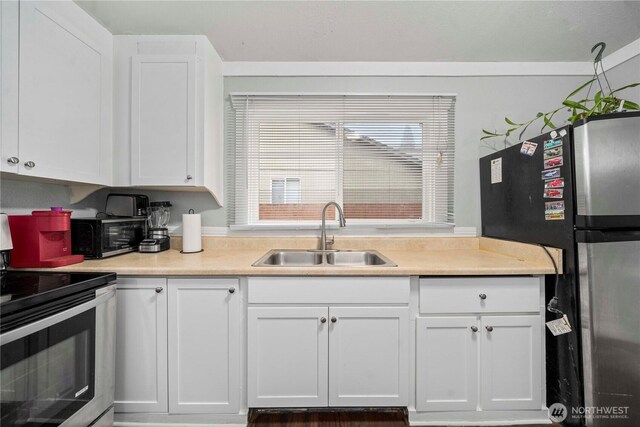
{"x":58,"y":371}
{"x":120,"y":236}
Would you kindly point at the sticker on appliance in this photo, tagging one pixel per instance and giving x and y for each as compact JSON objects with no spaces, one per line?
{"x":553,"y":134}
{"x":551,"y":173}
{"x":553,"y":193}
{"x":554,"y":183}
{"x":496,"y":170}
{"x":528,"y":148}
{"x":552,"y":143}
{"x":554,"y":216}
{"x":563,"y":132}
{"x":554,"y":211}
{"x":550,"y":207}
{"x":552,"y":163}
{"x":552,"y":152}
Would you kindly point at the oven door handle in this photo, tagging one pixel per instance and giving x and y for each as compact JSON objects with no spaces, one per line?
{"x":102,"y":296}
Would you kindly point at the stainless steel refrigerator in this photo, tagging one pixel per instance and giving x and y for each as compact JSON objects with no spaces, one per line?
{"x":578,"y":188}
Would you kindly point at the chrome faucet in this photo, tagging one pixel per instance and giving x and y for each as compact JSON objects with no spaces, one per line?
{"x":323,"y":234}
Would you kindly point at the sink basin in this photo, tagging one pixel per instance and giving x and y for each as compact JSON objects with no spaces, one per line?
{"x":313,"y":258}
{"x":358,"y":258}
{"x":284,"y":258}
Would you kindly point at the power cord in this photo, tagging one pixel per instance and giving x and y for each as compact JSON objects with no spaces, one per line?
{"x":552,"y":306}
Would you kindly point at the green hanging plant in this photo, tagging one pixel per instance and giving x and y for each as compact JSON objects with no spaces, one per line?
{"x":578,"y":108}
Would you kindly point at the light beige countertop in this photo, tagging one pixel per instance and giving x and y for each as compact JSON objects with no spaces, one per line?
{"x":424,"y":256}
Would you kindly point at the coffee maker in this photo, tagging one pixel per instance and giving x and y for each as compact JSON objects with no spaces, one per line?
{"x":158,"y":214}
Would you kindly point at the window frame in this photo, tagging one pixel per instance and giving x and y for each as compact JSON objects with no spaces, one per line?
{"x":429,"y":201}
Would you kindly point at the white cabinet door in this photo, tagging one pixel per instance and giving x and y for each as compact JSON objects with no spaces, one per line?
{"x":204,"y":346}
{"x":163,"y":120}
{"x":287,"y":356}
{"x":511,"y":362}
{"x":9,"y":25}
{"x":141,"y":345}
{"x":65,"y":93}
{"x":368,"y":356}
{"x":447,"y":363}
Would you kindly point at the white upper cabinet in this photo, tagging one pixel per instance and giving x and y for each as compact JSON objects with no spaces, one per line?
{"x":168,"y":113}
{"x":9,"y":45}
{"x":64,"y":93}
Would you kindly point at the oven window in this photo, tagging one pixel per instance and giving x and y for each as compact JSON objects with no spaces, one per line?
{"x":121,"y":235}
{"x":49,"y":375}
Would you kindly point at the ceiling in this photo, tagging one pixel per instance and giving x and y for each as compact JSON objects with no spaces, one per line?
{"x":424,"y":31}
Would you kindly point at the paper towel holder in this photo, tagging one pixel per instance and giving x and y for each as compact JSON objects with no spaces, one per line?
{"x":191,"y":212}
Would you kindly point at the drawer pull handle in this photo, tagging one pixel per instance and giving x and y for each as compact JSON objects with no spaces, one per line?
{"x":13,"y":160}
{"x":489,"y":328}
{"x":483,"y":296}
{"x":334,"y":320}
{"x":474,"y":328}
{"x":232,"y":290}
{"x":323,"y":320}
{"x":158,"y":290}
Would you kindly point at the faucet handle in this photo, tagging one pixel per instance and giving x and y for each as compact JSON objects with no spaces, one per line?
{"x":331,"y":241}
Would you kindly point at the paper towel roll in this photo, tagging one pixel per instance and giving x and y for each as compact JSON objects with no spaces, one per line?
{"x":191,"y":233}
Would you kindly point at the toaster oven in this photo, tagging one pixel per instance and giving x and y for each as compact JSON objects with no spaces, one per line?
{"x":105,"y":237}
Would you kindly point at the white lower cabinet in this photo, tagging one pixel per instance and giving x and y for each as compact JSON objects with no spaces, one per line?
{"x":178,"y":346}
{"x":328,"y":341}
{"x":204,"y":346}
{"x":447,"y":364}
{"x":328,"y":356}
{"x":288,"y":356}
{"x":141,"y":345}
{"x":511,"y":362}
{"x":474,"y":360}
{"x":368,"y":363}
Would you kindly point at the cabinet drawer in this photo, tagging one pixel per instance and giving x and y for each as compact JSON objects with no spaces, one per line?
{"x":464,"y":294}
{"x":328,"y":290}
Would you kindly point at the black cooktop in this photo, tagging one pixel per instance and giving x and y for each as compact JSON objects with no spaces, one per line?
{"x":23,"y":290}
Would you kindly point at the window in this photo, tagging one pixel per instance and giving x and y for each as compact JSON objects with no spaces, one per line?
{"x":285,"y":191}
{"x":385,"y":159}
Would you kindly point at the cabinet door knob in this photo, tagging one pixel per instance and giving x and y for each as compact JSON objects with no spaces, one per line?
{"x":333,"y":319}
{"x":158,"y":290}
{"x":13,"y":160}
{"x":483,"y":296}
{"x":232,"y":290}
{"x":323,"y":320}
{"x":189,"y":177}
{"x":489,"y":328}
{"x":30,"y":164}
{"x":474,"y":328}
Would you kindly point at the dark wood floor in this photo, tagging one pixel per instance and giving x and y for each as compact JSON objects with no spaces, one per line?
{"x":392,"y":417}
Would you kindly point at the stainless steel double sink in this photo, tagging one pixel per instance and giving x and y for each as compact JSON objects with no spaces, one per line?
{"x":317,"y":258}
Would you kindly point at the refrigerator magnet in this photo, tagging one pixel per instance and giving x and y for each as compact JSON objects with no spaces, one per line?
{"x":553,"y":134}
{"x":552,"y":143}
{"x":554,"y":216}
{"x":552,"y":152}
{"x":554,"y":183}
{"x":563,"y":132}
{"x":551,"y":207}
{"x":554,"y":162}
{"x":551,"y":173}
{"x":553,"y":193}
{"x":554,"y":211}
{"x":528,"y":148}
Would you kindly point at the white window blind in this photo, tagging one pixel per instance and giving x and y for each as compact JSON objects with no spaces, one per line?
{"x":385,"y":159}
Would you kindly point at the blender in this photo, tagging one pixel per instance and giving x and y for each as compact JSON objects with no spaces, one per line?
{"x":158,"y":214}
